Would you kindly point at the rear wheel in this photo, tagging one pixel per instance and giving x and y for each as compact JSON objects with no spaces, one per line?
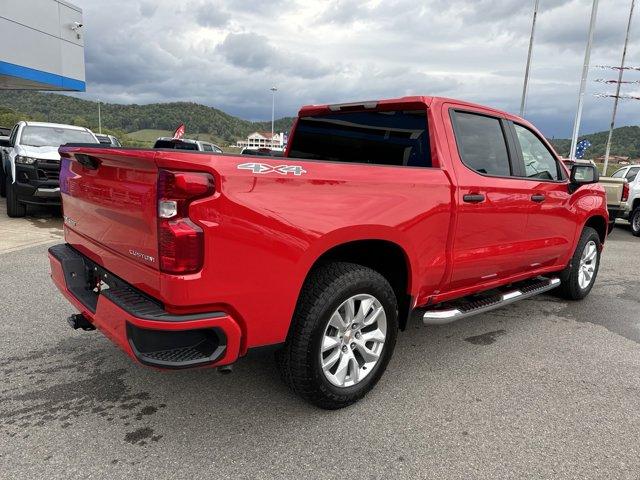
{"x":634,"y":220}
{"x":343,"y":335}
{"x":579,"y":277}
{"x":14,"y":207}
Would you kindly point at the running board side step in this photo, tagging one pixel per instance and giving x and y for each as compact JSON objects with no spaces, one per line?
{"x":451,"y":311}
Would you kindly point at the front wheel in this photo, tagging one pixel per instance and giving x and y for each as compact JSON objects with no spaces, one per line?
{"x":580,"y":275}
{"x":14,"y":207}
{"x":3,"y":185}
{"x":343,"y":335}
{"x":634,"y":220}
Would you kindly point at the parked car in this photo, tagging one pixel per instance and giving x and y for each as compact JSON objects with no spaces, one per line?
{"x":631,"y":207}
{"x":31,"y":163}
{"x":378,"y":209}
{"x":108,"y":140}
{"x":616,"y":189}
{"x":186,"y":144}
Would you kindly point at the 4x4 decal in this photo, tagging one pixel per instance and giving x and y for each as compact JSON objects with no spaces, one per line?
{"x":266,"y":168}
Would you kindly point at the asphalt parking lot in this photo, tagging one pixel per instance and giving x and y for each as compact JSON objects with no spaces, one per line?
{"x":539,"y":389}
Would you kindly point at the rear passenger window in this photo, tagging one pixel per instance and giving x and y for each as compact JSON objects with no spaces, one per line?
{"x":383,"y":138}
{"x":632,"y":174}
{"x":481,"y":144}
{"x":538,"y":160}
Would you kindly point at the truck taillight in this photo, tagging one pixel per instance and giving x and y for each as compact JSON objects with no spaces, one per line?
{"x":180,"y":240}
{"x":625,"y":192}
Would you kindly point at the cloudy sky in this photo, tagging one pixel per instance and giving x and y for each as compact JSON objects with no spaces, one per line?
{"x":228,"y":53}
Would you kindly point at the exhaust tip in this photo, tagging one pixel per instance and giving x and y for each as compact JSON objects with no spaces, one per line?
{"x":77,"y":320}
{"x":225,"y":369}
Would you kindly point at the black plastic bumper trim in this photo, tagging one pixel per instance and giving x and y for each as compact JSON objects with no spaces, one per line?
{"x":177,"y":349}
{"x":82,"y":275}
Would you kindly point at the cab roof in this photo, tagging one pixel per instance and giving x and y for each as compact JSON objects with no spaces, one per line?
{"x":402,"y":102}
{"x":55,"y":125}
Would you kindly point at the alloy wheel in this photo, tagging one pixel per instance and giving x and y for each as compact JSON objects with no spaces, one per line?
{"x":353,"y":340}
{"x":588,"y":264}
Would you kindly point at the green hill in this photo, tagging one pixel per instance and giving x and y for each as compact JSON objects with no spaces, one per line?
{"x":206,"y":121}
{"x":141,"y":124}
{"x":625,"y":142}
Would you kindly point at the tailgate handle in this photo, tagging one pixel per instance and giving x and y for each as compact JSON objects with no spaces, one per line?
{"x":92,"y":163}
{"x":537,"y":197}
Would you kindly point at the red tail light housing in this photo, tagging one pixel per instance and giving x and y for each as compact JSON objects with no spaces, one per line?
{"x":625,"y":191}
{"x":180,"y":240}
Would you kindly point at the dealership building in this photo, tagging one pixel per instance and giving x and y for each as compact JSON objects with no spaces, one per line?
{"x":42,"y":45}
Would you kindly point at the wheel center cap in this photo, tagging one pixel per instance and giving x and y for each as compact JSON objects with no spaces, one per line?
{"x":346,"y":339}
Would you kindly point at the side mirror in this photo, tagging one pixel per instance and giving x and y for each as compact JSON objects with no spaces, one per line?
{"x":583,"y":174}
{"x":5,"y":143}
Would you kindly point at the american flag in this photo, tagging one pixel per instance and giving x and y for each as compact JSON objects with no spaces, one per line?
{"x":581,"y":148}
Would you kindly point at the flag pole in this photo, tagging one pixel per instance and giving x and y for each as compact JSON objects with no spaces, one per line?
{"x":617,"y":96}
{"x":583,"y":81}
{"x":525,"y":86}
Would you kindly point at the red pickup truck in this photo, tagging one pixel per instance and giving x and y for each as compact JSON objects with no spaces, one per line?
{"x":378,"y":210}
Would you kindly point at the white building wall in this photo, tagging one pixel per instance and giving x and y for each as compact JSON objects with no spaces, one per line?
{"x":39,"y":48}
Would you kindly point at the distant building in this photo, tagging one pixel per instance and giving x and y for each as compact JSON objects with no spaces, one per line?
{"x":263,"y":140}
{"x":42,"y":45}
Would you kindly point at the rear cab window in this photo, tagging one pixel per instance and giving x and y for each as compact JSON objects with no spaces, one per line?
{"x":175,"y":144}
{"x":632,"y":174}
{"x":397,"y":137}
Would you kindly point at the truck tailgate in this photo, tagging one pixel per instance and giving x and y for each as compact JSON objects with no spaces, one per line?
{"x":109,"y":197}
{"x":613,"y":188}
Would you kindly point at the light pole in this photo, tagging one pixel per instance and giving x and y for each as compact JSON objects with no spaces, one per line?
{"x":273,"y":110}
{"x":525,"y":87}
{"x":583,"y":81}
{"x":617,"y":96}
{"x":99,"y":119}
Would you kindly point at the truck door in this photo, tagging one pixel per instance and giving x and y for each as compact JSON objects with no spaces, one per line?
{"x":551,"y":227}
{"x":489,"y":239}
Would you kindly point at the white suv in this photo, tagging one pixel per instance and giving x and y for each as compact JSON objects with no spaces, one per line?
{"x":631,"y":209}
{"x":31,"y":163}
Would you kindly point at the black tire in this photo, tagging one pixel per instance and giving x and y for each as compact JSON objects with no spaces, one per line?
{"x":634,"y":220}
{"x":570,"y":287}
{"x":3,"y":185}
{"x":327,"y":287}
{"x":15,"y":209}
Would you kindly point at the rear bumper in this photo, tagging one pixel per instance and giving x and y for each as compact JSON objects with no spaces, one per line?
{"x":615,"y":211}
{"x":137,"y":323}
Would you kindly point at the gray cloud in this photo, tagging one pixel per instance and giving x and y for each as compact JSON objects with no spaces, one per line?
{"x":211,"y":14}
{"x":254,"y":52}
{"x":228,"y":53}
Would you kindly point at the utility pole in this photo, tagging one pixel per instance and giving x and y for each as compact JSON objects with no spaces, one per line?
{"x":525,"y":87}
{"x":617,"y":96}
{"x":99,"y":119}
{"x":273,"y":110}
{"x":583,"y":81}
